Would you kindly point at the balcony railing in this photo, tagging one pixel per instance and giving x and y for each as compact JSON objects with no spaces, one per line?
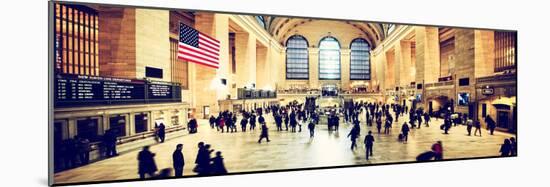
{"x":497,"y":78}
{"x":438,"y":84}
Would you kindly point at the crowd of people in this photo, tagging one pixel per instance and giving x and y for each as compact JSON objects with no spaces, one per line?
{"x":293,"y":116}
{"x":378,"y":118}
{"x":205,"y":164}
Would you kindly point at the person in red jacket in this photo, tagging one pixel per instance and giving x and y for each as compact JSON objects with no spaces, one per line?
{"x":437,"y":148}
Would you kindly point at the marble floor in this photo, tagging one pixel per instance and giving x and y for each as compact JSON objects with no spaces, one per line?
{"x":288,"y":150}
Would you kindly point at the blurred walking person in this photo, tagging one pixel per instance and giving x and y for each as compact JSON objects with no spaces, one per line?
{"x":146,"y":163}
{"x":477,"y":125}
{"x":469,"y":125}
{"x":264,"y":134}
{"x":311,"y":127}
{"x":218,"y":167}
{"x":353,"y":135}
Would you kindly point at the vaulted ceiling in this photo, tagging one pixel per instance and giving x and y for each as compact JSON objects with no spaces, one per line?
{"x":281,"y":27}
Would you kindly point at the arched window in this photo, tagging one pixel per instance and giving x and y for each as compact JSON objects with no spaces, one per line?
{"x":297,"y":58}
{"x":329,"y":59}
{"x":391,"y":28}
{"x":360,"y":60}
{"x":261,"y":21}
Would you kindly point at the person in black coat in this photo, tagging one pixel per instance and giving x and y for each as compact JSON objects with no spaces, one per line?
{"x":109,"y":139}
{"x":234,"y":119}
{"x":252,"y":121}
{"x":218,"y":167}
{"x":212,"y":121}
{"x":387,"y":126}
{"x":178,"y":161}
{"x":447,"y":124}
{"x":264,"y":134}
{"x":491,"y":124}
{"x":203,"y":159}
{"x":192,"y":126}
{"x":506,"y":148}
{"x":162,"y":132}
{"x":469,"y":126}
{"x":426,"y":119}
{"x":146,"y":163}
{"x":405,"y":131}
{"x":369,"y":143}
{"x":353,"y":135}
{"x":293,"y":122}
{"x":477,"y":125}
{"x":199,"y":158}
{"x":311,"y":127}
{"x":244,"y":121}
{"x":279,"y":122}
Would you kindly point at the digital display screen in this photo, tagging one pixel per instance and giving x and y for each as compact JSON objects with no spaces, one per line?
{"x":79,"y":90}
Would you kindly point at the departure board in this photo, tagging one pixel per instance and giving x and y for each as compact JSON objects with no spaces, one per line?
{"x":159,"y":90}
{"x":79,"y":90}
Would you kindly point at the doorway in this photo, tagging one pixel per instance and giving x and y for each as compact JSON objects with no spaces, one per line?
{"x":502,"y":119}
{"x":87,"y":128}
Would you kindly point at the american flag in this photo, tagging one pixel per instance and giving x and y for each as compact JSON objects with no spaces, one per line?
{"x":197,"y":47}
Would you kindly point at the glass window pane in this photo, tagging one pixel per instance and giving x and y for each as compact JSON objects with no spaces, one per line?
{"x":297,"y":60}
{"x":360,"y":60}
{"x":329,"y":58}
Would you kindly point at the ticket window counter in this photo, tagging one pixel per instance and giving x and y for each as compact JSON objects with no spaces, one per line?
{"x":175,"y":120}
{"x":88,"y":128}
{"x":60,"y":134}
{"x":140,"y":121}
{"x":60,"y":131}
{"x":118,"y":124}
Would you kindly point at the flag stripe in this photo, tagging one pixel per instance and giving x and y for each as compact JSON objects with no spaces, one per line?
{"x":203,"y":44}
{"x":205,"y":38}
{"x":209,"y":51}
{"x":197,"y":60}
{"x":198,"y":56}
{"x":184,"y":47}
{"x":210,"y":38}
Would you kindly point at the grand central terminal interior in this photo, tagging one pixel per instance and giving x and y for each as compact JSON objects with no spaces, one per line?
{"x":269,"y":64}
